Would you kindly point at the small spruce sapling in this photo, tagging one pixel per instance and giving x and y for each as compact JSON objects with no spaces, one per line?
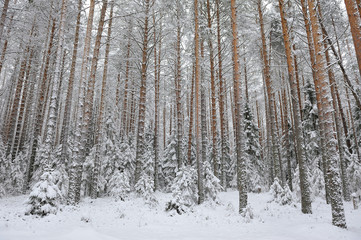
{"x":119,"y":185}
{"x":212,"y":184}
{"x":184,"y":190}
{"x":144,"y":188}
{"x":280,"y":195}
{"x":44,"y":198}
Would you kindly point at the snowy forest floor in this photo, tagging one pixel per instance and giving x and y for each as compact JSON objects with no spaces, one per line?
{"x":107,"y":219}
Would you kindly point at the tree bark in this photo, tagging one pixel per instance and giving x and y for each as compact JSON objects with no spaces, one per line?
{"x":241,"y":168}
{"x":269,"y":87}
{"x":99,"y":131}
{"x":69,"y":95}
{"x":355,"y":21}
{"x":338,"y":215}
{"x":142,"y":97}
{"x":197,"y":112}
{"x":303,"y":170}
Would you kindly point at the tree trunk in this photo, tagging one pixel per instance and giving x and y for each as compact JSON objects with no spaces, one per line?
{"x":222,"y":95}
{"x":50,"y":128}
{"x":338,"y":215}
{"x":142,"y":97}
{"x":190,"y":130}
{"x":69,"y":95}
{"x":156,"y":102}
{"x":241,"y":167}
{"x":303,"y":169}
{"x":76,"y":173}
{"x":355,"y":21}
{"x":197,"y":112}
{"x":126,"y":81}
{"x":39,"y":110}
{"x":269,"y":87}
{"x":213,"y":94}
{"x":99,"y":131}
{"x":3,"y":17}
{"x":178,"y":88}
{"x":311,"y":49}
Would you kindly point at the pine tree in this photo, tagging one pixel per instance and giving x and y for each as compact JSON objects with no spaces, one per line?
{"x":333,"y":176}
{"x":298,"y":136}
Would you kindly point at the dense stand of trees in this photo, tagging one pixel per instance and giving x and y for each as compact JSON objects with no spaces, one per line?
{"x":191,"y":97}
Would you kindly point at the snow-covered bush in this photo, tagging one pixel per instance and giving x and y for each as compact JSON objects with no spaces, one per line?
{"x":286,"y":197}
{"x":212,"y":184}
{"x":44,"y":198}
{"x":276,"y":189}
{"x":296,"y":183}
{"x":247,"y":214}
{"x":119,"y":186}
{"x":169,"y":166}
{"x":184,"y":190}
{"x":280,"y":195}
{"x":354,"y":173}
{"x":318,"y":183}
{"x":2,"y":191}
{"x":144,"y":188}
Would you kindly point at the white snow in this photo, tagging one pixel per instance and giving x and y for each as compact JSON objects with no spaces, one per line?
{"x":107,"y":219}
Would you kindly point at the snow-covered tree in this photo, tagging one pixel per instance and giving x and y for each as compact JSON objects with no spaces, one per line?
{"x":281,"y":195}
{"x":119,"y":185}
{"x":254,"y":165}
{"x":45,"y":196}
{"x":184,"y":190}
{"x":211,"y":184}
{"x":169,"y":166}
{"x":144,"y":188}
{"x":354,"y":172}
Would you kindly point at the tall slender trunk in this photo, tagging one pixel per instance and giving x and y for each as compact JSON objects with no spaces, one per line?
{"x":339,"y":136}
{"x":99,"y":131}
{"x":142,"y":97}
{"x":222,"y":95}
{"x":76,"y":167}
{"x":69,"y":95}
{"x":356,"y":147}
{"x":269,"y":87}
{"x":39,"y":110}
{"x":50,"y":128}
{"x":156,"y":102}
{"x":312,"y":54}
{"x":241,"y":167}
{"x":298,"y":82}
{"x":213,"y":93}
{"x":355,"y":21}
{"x":19,"y":131}
{"x":178,"y":88}
{"x":190,"y":129}
{"x":338,"y":215}
{"x":197,"y":112}
{"x":294,"y":83}
{"x":3,"y":17}
{"x":126,"y":83}
{"x":203,"y":107}
{"x":16,"y":113}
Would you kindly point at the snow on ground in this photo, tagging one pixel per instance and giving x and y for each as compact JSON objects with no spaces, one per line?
{"x":107,"y":219}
